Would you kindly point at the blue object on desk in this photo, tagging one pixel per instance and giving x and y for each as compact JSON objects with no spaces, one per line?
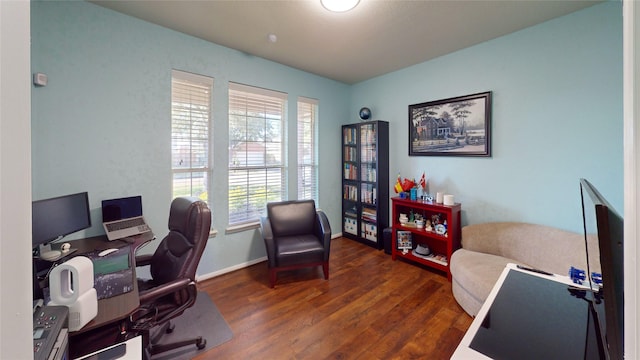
{"x":414,"y":194}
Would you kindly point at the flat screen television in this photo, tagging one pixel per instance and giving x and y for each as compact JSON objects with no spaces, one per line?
{"x":54,"y":218}
{"x":601,"y":220}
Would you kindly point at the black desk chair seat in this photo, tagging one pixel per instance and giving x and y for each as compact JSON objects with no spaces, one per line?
{"x":172,"y":288}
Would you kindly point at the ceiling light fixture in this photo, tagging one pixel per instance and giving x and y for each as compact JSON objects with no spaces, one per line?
{"x":339,"y":5}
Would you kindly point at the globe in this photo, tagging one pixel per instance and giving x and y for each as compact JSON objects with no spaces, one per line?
{"x":365,"y":113}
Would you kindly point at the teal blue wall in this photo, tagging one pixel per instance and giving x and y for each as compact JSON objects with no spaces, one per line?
{"x":102,"y":124}
{"x":557,"y":117}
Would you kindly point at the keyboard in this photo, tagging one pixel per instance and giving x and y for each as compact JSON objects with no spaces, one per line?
{"x":126,"y":224}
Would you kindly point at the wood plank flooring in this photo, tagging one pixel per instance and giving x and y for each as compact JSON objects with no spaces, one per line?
{"x":370,"y":308}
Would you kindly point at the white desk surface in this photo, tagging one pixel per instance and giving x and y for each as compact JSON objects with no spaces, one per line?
{"x":463,"y":351}
{"x":133,"y":352}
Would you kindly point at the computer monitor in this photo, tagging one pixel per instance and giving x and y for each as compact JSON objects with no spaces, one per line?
{"x":54,"y":218}
{"x":604,"y":223}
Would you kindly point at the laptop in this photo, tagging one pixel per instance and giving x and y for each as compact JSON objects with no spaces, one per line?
{"x":123,"y":218}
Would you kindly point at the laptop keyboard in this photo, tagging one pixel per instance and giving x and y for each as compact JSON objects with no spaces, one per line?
{"x":125,"y":224}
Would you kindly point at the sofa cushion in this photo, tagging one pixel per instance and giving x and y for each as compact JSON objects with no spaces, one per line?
{"x":475,"y":273}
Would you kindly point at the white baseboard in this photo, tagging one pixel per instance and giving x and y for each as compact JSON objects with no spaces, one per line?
{"x":211,"y":275}
{"x":230,"y":269}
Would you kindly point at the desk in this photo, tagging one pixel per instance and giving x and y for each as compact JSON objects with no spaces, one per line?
{"x":531,"y":316}
{"x":115,"y":308}
{"x":132,"y":351}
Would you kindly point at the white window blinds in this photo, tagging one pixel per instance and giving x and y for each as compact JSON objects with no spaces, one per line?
{"x":256,"y":151}
{"x":190,"y":134}
{"x":307,"y":155}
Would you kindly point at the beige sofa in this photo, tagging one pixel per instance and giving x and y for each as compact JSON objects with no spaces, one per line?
{"x":487,"y":248}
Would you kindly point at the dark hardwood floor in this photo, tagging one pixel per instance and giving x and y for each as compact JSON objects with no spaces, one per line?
{"x":370,"y":308}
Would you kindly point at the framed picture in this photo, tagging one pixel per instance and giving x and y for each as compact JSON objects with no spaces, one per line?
{"x":459,"y":126}
{"x":404,"y":240}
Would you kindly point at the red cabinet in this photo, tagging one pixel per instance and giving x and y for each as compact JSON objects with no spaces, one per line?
{"x":431,"y":245}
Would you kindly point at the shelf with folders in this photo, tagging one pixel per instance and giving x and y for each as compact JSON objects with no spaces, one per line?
{"x":350,"y":218}
{"x":369,"y":231}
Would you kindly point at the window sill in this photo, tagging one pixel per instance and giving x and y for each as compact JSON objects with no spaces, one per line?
{"x":242,"y":227}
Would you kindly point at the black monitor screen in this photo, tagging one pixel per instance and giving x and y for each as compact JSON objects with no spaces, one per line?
{"x":57,"y":217}
{"x":604,"y":223}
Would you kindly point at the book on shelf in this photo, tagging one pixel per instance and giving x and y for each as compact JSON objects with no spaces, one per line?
{"x":369,"y":214}
{"x":350,"y":192}
{"x":350,"y":172}
{"x":350,"y":135}
{"x":350,"y":153}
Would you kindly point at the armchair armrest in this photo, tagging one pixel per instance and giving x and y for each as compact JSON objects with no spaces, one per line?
{"x":322,"y":230}
{"x":267,"y":235}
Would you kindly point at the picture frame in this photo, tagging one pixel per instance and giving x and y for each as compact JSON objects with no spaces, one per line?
{"x":405,"y":240}
{"x":458,"y":126}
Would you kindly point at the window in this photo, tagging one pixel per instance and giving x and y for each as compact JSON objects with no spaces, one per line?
{"x":256,"y":151}
{"x":190,"y":131}
{"x":307,"y":160}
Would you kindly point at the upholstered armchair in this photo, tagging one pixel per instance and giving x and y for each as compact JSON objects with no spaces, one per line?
{"x":296,"y":236}
{"x":172,"y":288}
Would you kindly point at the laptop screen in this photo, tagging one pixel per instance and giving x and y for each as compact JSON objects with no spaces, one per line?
{"x":123,"y":208}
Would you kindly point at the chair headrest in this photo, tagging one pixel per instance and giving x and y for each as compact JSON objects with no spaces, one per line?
{"x":184,"y":210}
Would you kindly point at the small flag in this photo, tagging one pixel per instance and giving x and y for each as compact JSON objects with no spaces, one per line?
{"x":423,"y":182}
{"x":398,"y":186}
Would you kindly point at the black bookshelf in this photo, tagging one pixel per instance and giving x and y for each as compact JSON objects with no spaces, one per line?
{"x":365,"y":181}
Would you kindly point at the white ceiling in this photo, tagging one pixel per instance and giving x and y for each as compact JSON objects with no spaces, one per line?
{"x":377,"y":37}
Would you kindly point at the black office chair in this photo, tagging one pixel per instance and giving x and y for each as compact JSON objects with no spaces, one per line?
{"x":296,"y":236}
{"x":172,"y":288}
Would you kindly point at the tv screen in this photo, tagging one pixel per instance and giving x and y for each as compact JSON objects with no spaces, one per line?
{"x":54,"y":218}
{"x":601,"y":221}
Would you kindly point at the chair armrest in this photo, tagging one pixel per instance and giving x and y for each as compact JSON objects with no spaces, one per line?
{"x":143,"y":260}
{"x":163,"y":290}
{"x":267,"y":235}
{"x":322,"y":230}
